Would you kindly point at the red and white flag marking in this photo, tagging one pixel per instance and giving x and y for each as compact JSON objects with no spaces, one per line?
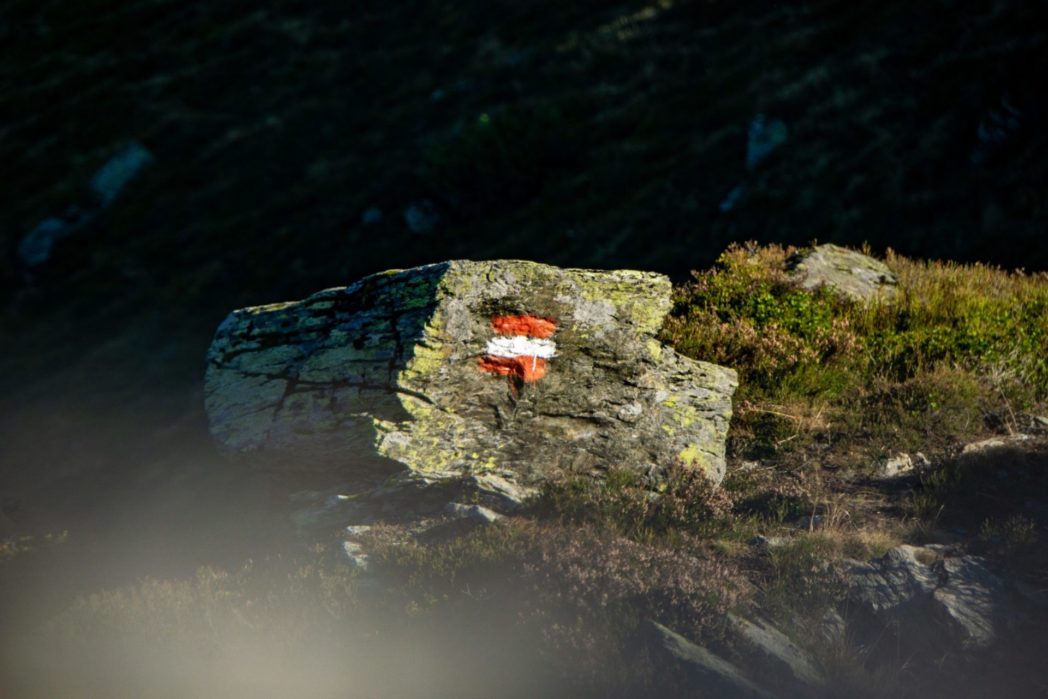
{"x":521,"y":347}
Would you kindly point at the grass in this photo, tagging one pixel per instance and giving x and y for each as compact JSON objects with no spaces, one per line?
{"x":959,"y":352}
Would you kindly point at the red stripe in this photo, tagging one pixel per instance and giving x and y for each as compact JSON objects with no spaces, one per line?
{"x":532,"y":326}
{"x":530,"y":369}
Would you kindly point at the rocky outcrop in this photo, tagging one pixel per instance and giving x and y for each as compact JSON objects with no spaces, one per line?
{"x":510,"y":370}
{"x":849,"y":273}
{"x":933,"y":600}
{"x":707,"y":671}
{"x":780,"y":662}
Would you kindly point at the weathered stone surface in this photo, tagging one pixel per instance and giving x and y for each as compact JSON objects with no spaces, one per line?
{"x":847,"y":272}
{"x":902,"y":465}
{"x":105,"y":186}
{"x":477,"y":513}
{"x":936,"y":601}
{"x":711,"y":673}
{"x":781,"y":662}
{"x":388,"y":375}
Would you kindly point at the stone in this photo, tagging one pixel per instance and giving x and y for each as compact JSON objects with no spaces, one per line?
{"x":356,"y":555}
{"x":902,"y":465}
{"x":118,"y":171}
{"x":313,"y":510}
{"x":781,"y":661}
{"x":936,"y":600}
{"x":424,"y":375}
{"x":105,"y":186}
{"x":421,"y":217}
{"x":993,"y":444}
{"x":766,"y":543}
{"x":710,"y":672}
{"x":372,"y":216}
{"x":847,"y":272}
{"x":477,"y":513}
{"x":500,"y":492}
{"x":763,"y":138}
{"x":36,"y":247}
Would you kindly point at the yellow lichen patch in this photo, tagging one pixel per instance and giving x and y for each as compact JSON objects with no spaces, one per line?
{"x":429,"y":355}
{"x":654,"y":349}
{"x":434,"y":441}
{"x":269,"y":307}
{"x":693,"y":457}
{"x":683,"y":415}
{"x":645,"y":312}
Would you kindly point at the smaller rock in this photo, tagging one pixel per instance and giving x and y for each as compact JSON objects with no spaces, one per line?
{"x":105,"y":186}
{"x":501,"y":493}
{"x":849,"y":273}
{"x":769,"y":542}
{"x":820,"y":521}
{"x":474,"y":512}
{"x":764,"y":136}
{"x":372,"y":216}
{"x":781,"y":661}
{"x":985,"y":445}
{"x":902,"y":465}
{"x":712,"y":673}
{"x":421,"y":217}
{"x":118,"y":171}
{"x":314,"y":509}
{"x":833,"y":628}
{"x":732,"y":199}
{"x":354,"y":550}
{"x":36,"y":247}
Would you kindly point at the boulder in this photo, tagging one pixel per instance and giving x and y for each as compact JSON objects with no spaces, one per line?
{"x":513,"y":370}
{"x":847,"y":272}
{"x":709,"y":673}
{"x":902,"y":465}
{"x":781,"y":663}
{"x":934,"y":600}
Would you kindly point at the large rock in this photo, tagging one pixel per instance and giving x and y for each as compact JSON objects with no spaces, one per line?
{"x":847,"y":272}
{"x":509,"y":368}
{"x":710,"y":674}
{"x":933,"y":600}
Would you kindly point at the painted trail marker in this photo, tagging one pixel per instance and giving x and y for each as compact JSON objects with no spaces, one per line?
{"x":398,"y":373}
{"x":521,"y":347}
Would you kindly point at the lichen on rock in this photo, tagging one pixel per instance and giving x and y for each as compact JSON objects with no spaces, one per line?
{"x":847,"y":272}
{"x":389,"y":374}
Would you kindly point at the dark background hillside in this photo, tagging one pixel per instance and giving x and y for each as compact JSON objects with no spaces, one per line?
{"x":587,"y":134}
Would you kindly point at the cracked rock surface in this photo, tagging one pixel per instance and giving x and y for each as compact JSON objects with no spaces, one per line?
{"x":387,"y":376}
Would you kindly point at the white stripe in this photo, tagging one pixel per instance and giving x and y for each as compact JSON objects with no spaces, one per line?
{"x":521,"y":346}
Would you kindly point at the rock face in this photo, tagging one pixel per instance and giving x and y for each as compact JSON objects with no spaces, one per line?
{"x":847,"y":272}
{"x":936,"y":602}
{"x":710,"y":673}
{"x":506,"y":368}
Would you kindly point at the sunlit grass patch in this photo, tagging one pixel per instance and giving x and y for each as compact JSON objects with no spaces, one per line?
{"x":960,"y":350}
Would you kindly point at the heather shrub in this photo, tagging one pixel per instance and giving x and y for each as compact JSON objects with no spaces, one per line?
{"x":959,"y":351}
